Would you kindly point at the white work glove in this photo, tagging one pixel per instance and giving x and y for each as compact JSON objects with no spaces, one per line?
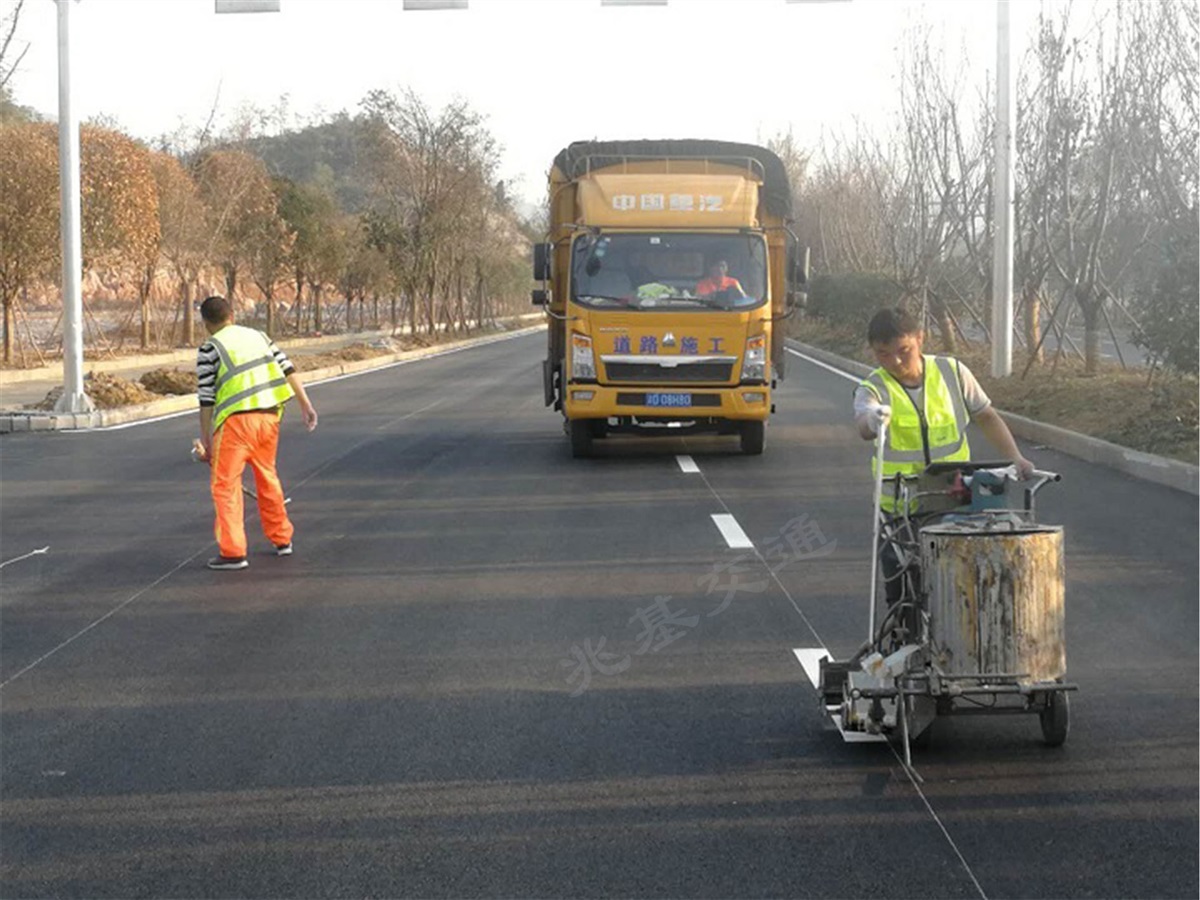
{"x":880,"y":416}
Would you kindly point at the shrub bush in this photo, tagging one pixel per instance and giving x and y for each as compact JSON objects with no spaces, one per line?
{"x":849,"y":300}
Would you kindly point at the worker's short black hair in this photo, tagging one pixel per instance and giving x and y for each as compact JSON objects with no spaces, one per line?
{"x":888,"y":324}
{"x":215,"y":310}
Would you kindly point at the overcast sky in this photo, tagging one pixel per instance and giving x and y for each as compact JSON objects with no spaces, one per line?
{"x":543,"y":72}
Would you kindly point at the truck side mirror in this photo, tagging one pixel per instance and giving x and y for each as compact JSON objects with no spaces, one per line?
{"x":542,"y":255}
{"x":798,"y":266}
{"x":540,"y":297}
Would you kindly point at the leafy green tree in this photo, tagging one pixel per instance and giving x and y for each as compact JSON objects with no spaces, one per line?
{"x":1171,"y":310}
{"x":311,"y":213}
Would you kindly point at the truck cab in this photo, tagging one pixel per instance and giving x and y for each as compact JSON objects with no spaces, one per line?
{"x":666,"y":279}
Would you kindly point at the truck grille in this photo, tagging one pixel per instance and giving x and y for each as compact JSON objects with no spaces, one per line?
{"x":719,"y":371}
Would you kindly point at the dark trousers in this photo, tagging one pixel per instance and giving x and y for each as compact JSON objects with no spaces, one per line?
{"x":896,"y":573}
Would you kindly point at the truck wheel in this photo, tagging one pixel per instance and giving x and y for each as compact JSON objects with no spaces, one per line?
{"x":580,"y":431}
{"x":1056,"y":719}
{"x":754,"y":437}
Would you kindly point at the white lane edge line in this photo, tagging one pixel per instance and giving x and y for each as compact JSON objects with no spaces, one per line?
{"x":816,"y":362}
{"x":734,"y":536}
{"x":687,"y":464}
{"x":38,"y":552}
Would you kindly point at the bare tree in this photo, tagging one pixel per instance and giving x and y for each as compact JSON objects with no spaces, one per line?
{"x":10,"y":54}
{"x":433,"y":170}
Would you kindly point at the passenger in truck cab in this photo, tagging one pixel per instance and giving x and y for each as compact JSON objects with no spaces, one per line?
{"x":720,"y":283}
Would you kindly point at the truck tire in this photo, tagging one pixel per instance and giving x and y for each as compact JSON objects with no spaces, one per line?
{"x":580,"y":431}
{"x":754,"y":437}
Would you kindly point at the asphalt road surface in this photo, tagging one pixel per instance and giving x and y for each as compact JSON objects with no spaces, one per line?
{"x":492,"y":670}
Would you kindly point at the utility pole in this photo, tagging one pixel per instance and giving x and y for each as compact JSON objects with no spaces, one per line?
{"x":1002,"y":225}
{"x":73,"y":399}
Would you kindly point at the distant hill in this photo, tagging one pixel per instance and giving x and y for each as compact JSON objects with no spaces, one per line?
{"x":328,"y":153}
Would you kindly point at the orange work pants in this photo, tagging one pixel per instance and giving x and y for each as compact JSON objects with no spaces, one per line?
{"x":251,"y":437}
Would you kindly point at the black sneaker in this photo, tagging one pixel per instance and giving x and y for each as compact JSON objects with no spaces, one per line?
{"x":283,"y":549}
{"x":228,"y":562}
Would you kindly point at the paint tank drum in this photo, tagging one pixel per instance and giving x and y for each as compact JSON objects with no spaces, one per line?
{"x":995,"y":600}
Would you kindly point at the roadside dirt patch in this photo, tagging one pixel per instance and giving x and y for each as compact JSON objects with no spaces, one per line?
{"x":169,"y":381}
{"x":351,"y":353}
{"x":107,"y":392}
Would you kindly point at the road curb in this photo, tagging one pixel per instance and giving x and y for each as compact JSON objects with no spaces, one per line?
{"x":42,"y":420}
{"x":188,"y":355}
{"x":1172,"y":473}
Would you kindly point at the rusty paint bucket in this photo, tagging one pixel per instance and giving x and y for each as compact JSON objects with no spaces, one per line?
{"x":995,"y":600}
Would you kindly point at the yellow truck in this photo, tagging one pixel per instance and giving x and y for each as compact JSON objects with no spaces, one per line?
{"x":666,"y":275}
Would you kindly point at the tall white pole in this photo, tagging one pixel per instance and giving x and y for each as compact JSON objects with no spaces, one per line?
{"x":73,"y":399}
{"x":1002,"y":229}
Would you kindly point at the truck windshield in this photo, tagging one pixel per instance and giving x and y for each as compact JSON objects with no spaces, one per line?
{"x":669,"y":271}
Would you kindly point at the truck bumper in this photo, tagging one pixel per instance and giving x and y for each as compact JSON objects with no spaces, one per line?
{"x":596,"y":401}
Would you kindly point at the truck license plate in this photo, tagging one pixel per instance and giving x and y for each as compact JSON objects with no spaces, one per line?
{"x":672,"y":400}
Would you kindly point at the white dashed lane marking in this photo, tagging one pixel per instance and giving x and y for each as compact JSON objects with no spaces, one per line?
{"x":732,"y":531}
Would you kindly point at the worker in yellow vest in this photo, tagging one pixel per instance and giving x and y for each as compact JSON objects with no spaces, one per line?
{"x":926,"y":402}
{"x":243,"y":382}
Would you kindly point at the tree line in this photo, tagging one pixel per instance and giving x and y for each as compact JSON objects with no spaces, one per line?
{"x":430,"y":241}
{"x":1106,"y":219}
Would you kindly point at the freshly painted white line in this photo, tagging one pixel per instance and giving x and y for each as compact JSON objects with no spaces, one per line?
{"x":817,"y":362}
{"x":112,"y":612}
{"x":687,"y":464}
{"x":26,"y":556}
{"x":810,"y":658}
{"x":856,"y":737}
{"x":732,"y":531}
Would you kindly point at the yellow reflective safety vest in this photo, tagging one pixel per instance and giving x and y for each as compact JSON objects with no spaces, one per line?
{"x":248,"y":377}
{"x":918,"y":437}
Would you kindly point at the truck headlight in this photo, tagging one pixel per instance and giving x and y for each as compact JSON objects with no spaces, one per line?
{"x":583,"y":363}
{"x":754,"y":364}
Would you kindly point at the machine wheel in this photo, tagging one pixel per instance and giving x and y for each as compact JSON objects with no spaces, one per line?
{"x":599,"y":427}
{"x":580,"y":431}
{"x":1056,"y":719}
{"x":754,"y":437}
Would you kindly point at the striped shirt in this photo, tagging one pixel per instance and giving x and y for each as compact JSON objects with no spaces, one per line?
{"x":208,"y":360}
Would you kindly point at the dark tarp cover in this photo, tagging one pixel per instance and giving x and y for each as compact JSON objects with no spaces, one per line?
{"x":572,"y":161}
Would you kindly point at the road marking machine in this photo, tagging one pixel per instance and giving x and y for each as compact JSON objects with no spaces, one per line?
{"x":976,"y":625}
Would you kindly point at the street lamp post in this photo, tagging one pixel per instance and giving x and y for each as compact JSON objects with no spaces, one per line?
{"x":73,"y":399}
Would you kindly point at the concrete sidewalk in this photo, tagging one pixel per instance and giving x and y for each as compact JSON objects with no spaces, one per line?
{"x":22,"y":387}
